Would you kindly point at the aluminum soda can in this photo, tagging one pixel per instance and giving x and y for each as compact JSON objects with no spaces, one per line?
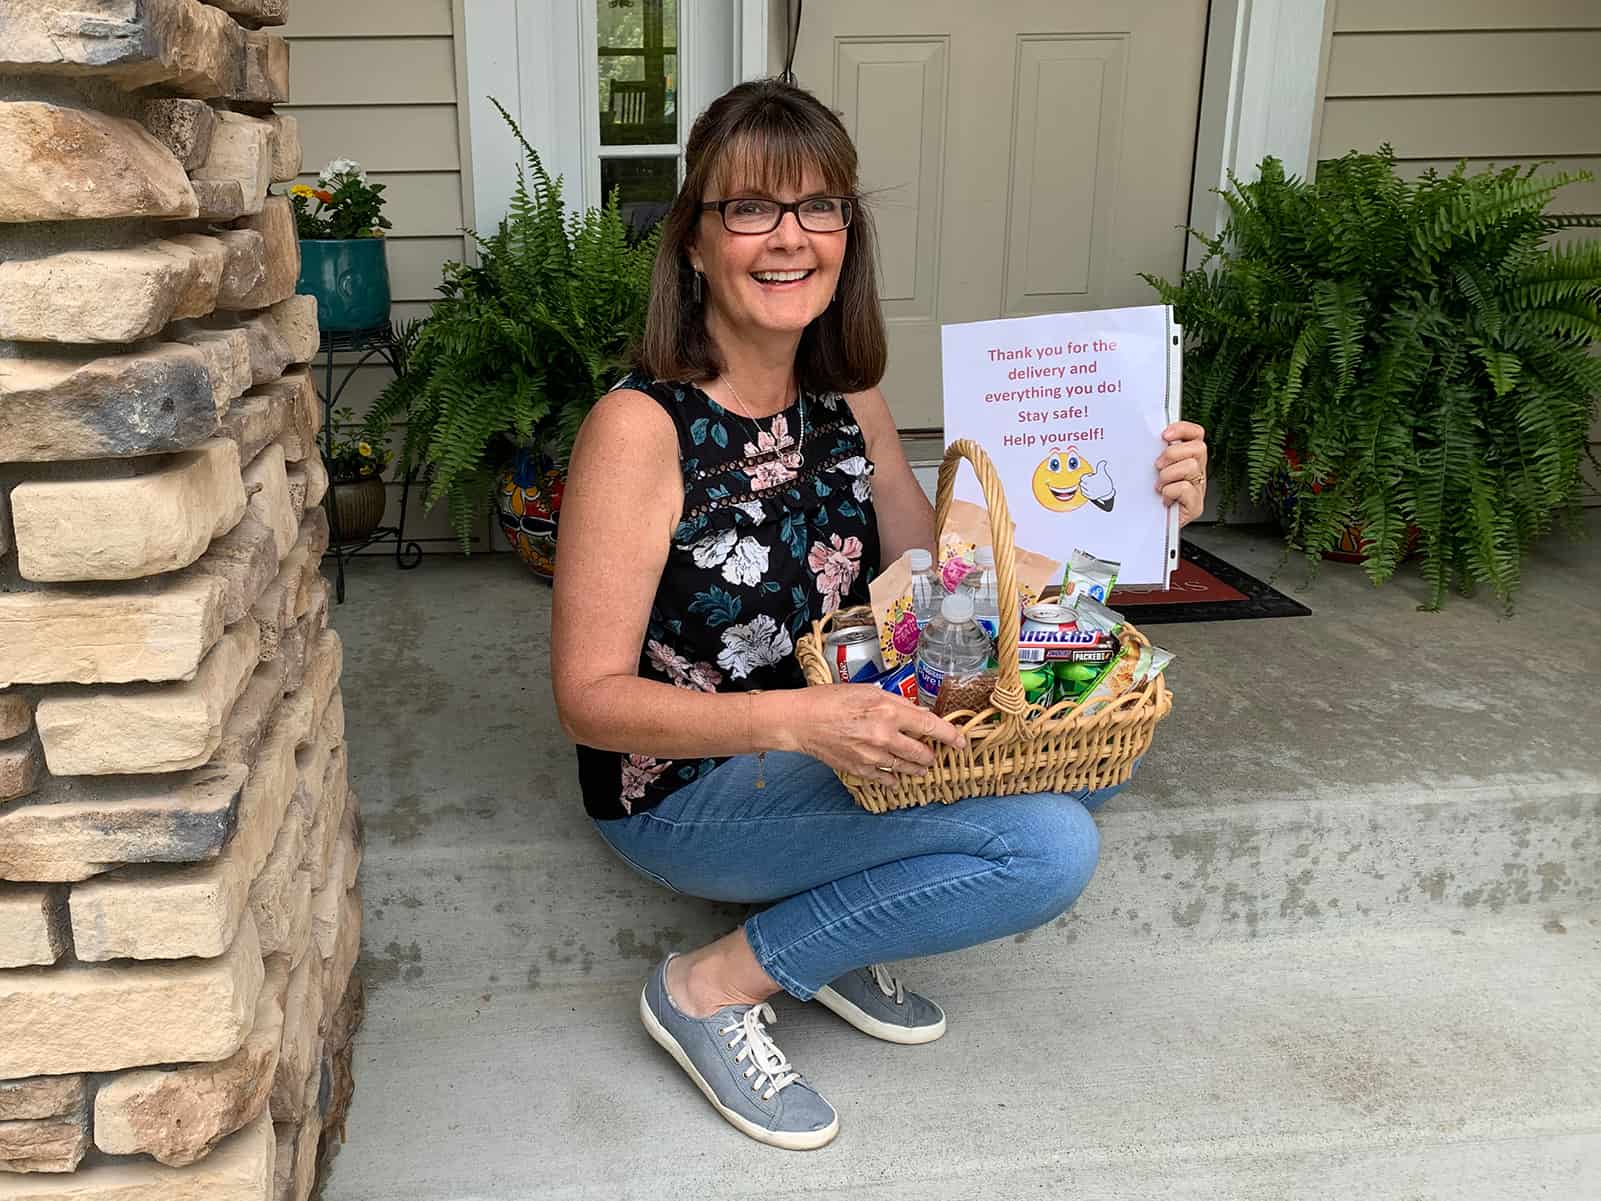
{"x":852,"y":654}
{"x":1049,"y":616}
{"x":1073,"y":680}
{"x":1039,"y":687}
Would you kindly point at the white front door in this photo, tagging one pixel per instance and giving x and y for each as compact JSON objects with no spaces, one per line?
{"x":1021,"y":156}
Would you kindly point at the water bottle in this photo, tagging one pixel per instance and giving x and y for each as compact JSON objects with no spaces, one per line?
{"x":926,"y":588}
{"x":953,"y":645}
{"x":981,"y":582}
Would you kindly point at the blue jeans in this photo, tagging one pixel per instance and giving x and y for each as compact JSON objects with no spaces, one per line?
{"x":848,"y":887}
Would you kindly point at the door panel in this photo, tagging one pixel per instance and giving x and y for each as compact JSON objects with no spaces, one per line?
{"x":1020,"y":156}
{"x":892,"y":93}
{"x":1064,"y":174}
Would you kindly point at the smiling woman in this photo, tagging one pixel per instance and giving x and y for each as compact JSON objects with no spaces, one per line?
{"x":744,"y":481}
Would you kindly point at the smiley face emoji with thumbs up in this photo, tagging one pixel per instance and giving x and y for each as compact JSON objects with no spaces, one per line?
{"x":1064,"y":480}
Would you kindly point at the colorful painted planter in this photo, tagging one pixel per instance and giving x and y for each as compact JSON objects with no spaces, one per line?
{"x":1352,"y":546}
{"x":528,"y":493}
{"x":350,"y":279}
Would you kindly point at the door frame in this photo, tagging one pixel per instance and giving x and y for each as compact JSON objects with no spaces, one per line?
{"x":1262,"y":84}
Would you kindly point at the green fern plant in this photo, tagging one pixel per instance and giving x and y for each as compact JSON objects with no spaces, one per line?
{"x":521,"y":345}
{"x":1406,"y":357}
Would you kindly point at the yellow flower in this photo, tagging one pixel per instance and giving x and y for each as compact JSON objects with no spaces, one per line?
{"x":365,"y":450}
{"x":301,"y":189}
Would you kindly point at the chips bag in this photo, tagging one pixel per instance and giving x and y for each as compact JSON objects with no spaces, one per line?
{"x":890,"y":597}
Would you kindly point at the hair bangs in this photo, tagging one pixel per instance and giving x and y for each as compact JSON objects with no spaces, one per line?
{"x":774,"y":153}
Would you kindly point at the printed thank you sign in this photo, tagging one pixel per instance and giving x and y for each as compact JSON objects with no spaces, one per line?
{"x":1071,"y":408}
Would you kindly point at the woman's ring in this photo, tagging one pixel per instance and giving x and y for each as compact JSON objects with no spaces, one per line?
{"x":891,"y":767}
{"x":1198,"y":480}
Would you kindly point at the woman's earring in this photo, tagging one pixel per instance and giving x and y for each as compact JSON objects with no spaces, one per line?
{"x":695,"y":287}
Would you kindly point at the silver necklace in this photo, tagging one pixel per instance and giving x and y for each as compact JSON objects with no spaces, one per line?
{"x":744,"y":412}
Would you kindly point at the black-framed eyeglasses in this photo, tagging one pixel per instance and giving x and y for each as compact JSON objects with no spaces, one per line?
{"x":759,"y":215}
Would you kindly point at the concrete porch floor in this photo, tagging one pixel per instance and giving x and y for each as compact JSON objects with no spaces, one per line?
{"x":1343,"y":942}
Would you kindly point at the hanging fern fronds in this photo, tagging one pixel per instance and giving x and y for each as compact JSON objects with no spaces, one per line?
{"x":1411,"y":356}
{"x":519,"y":347}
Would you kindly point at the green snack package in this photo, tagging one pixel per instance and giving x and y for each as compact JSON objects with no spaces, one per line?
{"x":1087,"y":575}
{"x":1117,"y":678}
{"x":1091,"y":614}
{"x":1153,"y":662}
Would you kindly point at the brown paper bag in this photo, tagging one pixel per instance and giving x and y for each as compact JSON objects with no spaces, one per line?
{"x":968,"y":528}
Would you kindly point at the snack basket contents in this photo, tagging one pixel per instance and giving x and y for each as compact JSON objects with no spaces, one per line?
{"x":1015,"y":745}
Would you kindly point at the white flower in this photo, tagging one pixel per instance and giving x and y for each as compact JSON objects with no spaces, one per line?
{"x":751,"y":509}
{"x":713,"y":548}
{"x":760,"y":642}
{"x":747,"y":564}
{"x":861,"y":471}
{"x":342,"y":166}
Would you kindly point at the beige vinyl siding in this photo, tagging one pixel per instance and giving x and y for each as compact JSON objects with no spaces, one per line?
{"x":379,"y":81}
{"x":1495,"y":82}
{"x":1433,"y":16}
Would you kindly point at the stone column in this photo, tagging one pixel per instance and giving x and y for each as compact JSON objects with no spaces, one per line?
{"x":179,"y":845}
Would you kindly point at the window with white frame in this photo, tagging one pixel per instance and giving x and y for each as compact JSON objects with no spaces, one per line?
{"x":637,"y":122}
{"x":605,"y":90}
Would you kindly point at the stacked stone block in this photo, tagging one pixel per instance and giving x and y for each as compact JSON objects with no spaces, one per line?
{"x":179,"y":845}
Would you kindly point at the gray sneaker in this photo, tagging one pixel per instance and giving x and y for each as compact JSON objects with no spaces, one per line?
{"x":875,"y":1003}
{"x":735,"y":1062}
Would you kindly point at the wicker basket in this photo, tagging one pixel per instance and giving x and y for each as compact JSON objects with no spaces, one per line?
{"x":1012,"y":746}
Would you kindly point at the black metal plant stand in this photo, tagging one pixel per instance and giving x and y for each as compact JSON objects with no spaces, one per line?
{"x":378,"y":342}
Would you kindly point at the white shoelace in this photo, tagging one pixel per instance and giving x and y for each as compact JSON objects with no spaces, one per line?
{"x":887,"y":984}
{"x":768,"y":1065}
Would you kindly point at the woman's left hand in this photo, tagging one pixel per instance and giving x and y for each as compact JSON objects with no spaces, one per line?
{"x":1181,"y":469}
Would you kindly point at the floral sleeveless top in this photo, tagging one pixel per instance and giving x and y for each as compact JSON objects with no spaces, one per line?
{"x":778,"y":529}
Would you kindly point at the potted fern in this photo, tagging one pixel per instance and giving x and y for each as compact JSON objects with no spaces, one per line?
{"x":500,"y":375}
{"x":1403,"y":362}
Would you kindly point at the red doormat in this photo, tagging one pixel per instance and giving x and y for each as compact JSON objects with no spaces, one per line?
{"x":1204,"y":588}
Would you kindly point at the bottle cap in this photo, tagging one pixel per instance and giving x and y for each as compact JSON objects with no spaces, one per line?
{"x":984,"y":557}
{"x":919,"y":559}
{"x":957,"y":607}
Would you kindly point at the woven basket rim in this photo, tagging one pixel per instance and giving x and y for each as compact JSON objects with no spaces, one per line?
{"x":1012,"y":746}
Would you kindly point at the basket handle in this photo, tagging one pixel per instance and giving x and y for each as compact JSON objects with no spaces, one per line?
{"x":1008,"y":696}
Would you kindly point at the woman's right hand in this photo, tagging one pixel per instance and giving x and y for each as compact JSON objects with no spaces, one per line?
{"x":860,"y":729}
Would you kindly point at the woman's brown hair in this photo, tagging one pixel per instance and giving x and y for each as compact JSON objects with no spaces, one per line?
{"x":767,"y":134}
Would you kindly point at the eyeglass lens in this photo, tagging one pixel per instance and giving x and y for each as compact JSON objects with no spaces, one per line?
{"x":820,"y":214}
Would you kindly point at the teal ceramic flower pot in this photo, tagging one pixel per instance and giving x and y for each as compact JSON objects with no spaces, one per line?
{"x":350,"y":279}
